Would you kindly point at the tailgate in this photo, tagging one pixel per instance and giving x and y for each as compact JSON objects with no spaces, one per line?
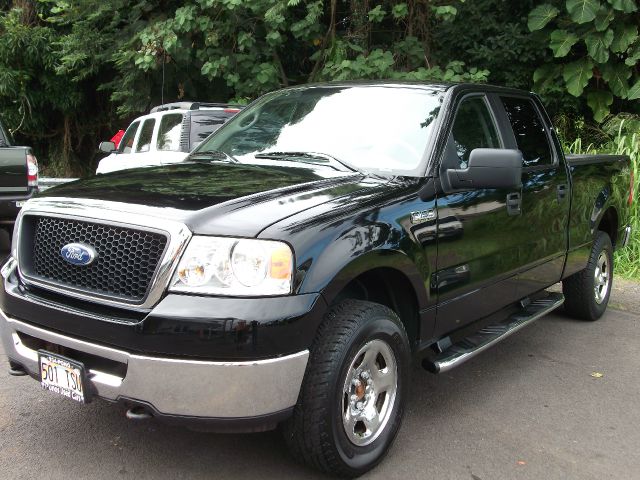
{"x":13,"y":170}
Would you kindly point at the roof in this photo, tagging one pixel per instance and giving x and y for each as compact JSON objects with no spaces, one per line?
{"x":432,"y":85}
{"x":192,"y":106}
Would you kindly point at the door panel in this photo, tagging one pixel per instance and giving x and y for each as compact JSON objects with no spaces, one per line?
{"x":545,"y":197}
{"x":478,"y":240}
{"x":478,"y":257}
{"x":545,"y":218}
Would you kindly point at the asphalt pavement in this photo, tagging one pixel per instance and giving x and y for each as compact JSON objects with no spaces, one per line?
{"x":557,"y":400}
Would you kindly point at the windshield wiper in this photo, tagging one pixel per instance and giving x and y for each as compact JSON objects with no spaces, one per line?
{"x":314,"y":158}
{"x":213,"y":155}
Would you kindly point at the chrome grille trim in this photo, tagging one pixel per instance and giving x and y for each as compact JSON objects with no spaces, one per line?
{"x":113,"y":213}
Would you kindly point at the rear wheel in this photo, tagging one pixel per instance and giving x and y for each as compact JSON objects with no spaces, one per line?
{"x":352,"y":399}
{"x":587,"y":292}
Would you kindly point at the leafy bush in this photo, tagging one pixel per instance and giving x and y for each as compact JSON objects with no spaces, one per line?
{"x":599,"y":48}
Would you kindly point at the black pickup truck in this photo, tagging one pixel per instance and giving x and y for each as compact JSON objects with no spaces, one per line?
{"x":18,"y":183}
{"x":291,"y":269}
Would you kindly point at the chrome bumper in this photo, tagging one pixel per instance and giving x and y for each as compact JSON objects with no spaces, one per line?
{"x":176,"y":387}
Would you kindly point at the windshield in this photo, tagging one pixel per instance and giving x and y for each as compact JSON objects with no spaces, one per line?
{"x":372,"y":128}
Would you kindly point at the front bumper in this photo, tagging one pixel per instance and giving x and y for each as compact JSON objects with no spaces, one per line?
{"x":230,"y":364}
{"x":170,"y":386}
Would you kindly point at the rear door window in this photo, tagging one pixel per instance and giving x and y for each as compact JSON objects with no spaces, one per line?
{"x":126,"y":144}
{"x":529,"y":130}
{"x":169,"y":132}
{"x":204,"y":125}
{"x":146,"y":135}
{"x":472,"y":128}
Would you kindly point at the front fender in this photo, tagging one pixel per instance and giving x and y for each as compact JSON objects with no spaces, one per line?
{"x":339,"y":263}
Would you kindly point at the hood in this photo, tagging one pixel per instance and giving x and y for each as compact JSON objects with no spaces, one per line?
{"x":218,"y":198}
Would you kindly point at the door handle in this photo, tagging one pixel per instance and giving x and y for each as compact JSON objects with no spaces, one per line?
{"x":562,"y":192}
{"x":514,"y":202}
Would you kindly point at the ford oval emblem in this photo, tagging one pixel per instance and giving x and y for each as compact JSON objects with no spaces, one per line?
{"x":78,"y":254}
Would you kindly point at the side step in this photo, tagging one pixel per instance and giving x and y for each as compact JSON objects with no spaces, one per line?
{"x":469,"y":347}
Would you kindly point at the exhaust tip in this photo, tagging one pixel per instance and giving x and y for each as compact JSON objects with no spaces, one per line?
{"x":16,"y":370}
{"x":138,"y":413}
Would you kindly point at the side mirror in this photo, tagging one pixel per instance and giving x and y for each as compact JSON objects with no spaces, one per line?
{"x":107,"y":147}
{"x":489,"y":168}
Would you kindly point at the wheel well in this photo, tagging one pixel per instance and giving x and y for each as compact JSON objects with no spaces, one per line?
{"x":609,"y":224}
{"x":388,"y":287}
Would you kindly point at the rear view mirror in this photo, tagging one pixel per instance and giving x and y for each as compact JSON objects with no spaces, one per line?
{"x":489,"y":168}
{"x":107,"y":147}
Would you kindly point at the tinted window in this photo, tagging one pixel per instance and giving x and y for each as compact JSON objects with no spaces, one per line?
{"x":531,"y":136}
{"x":472,"y":128}
{"x":204,"y":125}
{"x":127,"y":140}
{"x":169,"y":132}
{"x":146,"y":133}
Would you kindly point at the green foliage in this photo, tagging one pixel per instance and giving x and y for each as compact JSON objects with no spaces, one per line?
{"x":599,"y":48}
{"x":541,"y":16}
{"x":400,"y":10}
{"x":577,"y":75}
{"x":583,"y":11}
{"x":377,"y":14}
{"x":72,"y":73}
{"x":599,"y":101}
{"x":561,"y":42}
{"x":634,"y":92}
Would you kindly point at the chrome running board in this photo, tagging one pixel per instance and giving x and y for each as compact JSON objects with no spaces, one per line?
{"x":469,"y":347}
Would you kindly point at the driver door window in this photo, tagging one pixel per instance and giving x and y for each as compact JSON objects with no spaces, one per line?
{"x":126,"y":144}
{"x":472,"y":128}
{"x":146,"y":134}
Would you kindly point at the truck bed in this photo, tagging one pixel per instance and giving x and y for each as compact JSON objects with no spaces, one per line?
{"x":592,"y":159}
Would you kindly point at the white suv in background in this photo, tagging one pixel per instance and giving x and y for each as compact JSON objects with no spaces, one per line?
{"x":166,"y":135}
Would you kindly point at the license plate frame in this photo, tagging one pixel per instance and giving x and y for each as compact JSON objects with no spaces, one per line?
{"x":60,"y":371}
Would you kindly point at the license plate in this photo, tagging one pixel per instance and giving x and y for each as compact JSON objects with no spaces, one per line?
{"x":62,"y":376}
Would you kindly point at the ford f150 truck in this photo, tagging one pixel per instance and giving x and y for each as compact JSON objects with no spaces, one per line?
{"x":290,"y":270}
{"x":18,"y":183}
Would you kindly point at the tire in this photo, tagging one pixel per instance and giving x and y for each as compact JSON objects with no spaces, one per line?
{"x":587,"y":292}
{"x":322,"y":432}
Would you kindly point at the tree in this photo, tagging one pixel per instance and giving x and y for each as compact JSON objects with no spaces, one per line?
{"x":599,"y":48}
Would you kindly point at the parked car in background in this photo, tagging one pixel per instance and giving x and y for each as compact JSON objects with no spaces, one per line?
{"x":166,"y":135}
{"x":18,"y":183}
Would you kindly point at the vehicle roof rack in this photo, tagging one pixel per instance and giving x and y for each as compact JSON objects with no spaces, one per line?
{"x":191,"y":106}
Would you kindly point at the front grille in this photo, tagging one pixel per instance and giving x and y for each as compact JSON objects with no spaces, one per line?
{"x":124,"y":267}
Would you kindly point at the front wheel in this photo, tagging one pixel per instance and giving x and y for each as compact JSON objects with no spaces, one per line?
{"x":352,"y":398}
{"x":587,"y":292}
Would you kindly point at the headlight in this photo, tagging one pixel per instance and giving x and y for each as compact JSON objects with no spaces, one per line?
{"x":234,"y":267}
